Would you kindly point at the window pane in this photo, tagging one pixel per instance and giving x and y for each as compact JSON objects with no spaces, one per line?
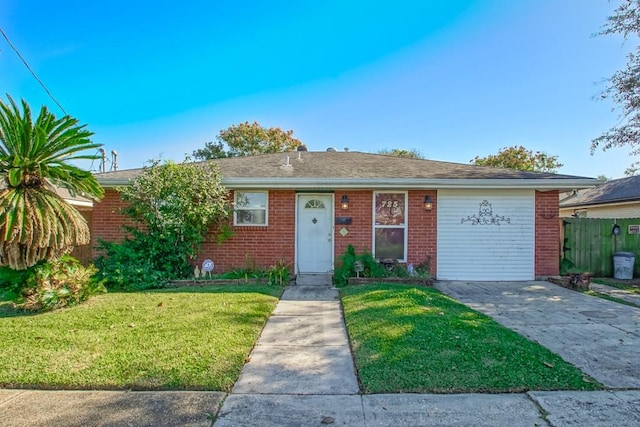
{"x":251,"y":200}
{"x":250,"y":216}
{"x":390,"y":243}
{"x":390,"y":209}
{"x":314,"y":204}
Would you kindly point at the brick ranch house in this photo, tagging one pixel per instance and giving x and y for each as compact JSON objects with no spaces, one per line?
{"x":469,"y":222}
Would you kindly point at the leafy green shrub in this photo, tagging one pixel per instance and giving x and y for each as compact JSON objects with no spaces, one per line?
{"x":423,"y":269}
{"x":50,"y":285}
{"x":345,"y":270}
{"x":139,"y":264}
{"x":371,"y":268}
{"x":243,"y":274}
{"x":13,"y":280}
{"x":172,"y":208}
{"x":278,"y":274}
{"x":566,"y":266}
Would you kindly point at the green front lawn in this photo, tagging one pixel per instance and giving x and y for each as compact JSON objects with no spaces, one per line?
{"x":190,"y":338}
{"x":408,"y":339}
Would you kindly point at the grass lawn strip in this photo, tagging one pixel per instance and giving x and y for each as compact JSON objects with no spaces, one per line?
{"x":609,"y":298}
{"x":190,"y":338}
{"x":408,"y":339}
{"x":619,"y":284}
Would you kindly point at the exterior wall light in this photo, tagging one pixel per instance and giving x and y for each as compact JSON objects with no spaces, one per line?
{"x":345,"y":202}
{"x":428,"y":203}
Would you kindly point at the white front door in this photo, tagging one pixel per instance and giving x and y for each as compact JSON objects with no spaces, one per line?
{"x":315,"y":233}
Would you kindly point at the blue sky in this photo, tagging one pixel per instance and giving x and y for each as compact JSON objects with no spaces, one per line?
{"x":453,"y":79}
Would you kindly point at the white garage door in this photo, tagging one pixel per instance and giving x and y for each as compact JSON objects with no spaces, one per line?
{"x":486,"y":234}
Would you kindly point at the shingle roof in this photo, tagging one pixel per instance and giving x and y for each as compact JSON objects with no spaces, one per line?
{"x":615,"y":190}
{"x":350,"y":166}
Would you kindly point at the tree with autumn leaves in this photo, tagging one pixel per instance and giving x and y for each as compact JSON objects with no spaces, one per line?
{"x":624,"y":86}
{"x":521,"y":158}
{"x":248,"y":139}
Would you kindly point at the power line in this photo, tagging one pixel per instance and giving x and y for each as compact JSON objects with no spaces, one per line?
{"x":24,"y":61}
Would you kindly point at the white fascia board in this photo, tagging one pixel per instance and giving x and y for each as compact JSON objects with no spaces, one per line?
{"x":408,"y":183}
{"x":79,"y":203}
{"x":112,"y":183}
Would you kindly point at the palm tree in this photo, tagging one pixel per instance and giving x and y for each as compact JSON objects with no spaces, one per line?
{"x":35,"y":223}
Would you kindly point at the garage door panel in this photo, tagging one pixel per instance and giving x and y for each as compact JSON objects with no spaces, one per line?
{"x":486,"y":235}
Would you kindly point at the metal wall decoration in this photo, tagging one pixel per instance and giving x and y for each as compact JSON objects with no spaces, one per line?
{"x":485,"y":216}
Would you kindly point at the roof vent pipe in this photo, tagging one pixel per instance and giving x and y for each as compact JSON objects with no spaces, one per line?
{"x":114,"y":160}
{"x":103,"y":161}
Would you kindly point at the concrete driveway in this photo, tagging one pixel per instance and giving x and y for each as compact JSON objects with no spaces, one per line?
{"x":600,"y":337}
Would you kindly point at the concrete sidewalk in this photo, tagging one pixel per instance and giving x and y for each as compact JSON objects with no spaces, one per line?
{"x":20,"y":408}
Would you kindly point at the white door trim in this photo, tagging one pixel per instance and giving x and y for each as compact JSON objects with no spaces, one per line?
{"x":331,"y":198}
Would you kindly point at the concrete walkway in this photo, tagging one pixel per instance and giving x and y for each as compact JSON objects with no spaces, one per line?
{"x":303,"y":348}
{"x":600,"y":337}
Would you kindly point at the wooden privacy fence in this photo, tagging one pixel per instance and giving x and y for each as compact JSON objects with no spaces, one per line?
{"x":590,"y":243}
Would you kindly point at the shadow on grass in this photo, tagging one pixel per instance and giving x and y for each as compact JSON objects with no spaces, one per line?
{"x":154,"y":340}
{"x":7,"y":308}
{"x":419,"y":340}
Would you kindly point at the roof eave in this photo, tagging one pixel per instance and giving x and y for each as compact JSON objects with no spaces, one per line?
{"x":405,"y":183}
{"x":79,"y":203}
{"x":409,"y":183}
{"x":111,"y":183}
{"x":600,"y":203}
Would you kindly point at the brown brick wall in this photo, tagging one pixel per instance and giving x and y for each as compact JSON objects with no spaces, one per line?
{"x":421,"y":240}
{"x":547,"y":234}
{"x":258,"y":246}
{"x":106,"y":220}
{"x":361,"y":212}
{"x":263,"y":246}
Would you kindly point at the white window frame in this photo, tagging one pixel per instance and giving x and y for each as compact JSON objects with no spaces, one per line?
{"x":236,"y":209}
{"x":405,"y":225}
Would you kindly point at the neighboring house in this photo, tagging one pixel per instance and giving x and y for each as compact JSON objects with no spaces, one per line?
{"x":468,"y":222}
{"x":616,"y":199}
